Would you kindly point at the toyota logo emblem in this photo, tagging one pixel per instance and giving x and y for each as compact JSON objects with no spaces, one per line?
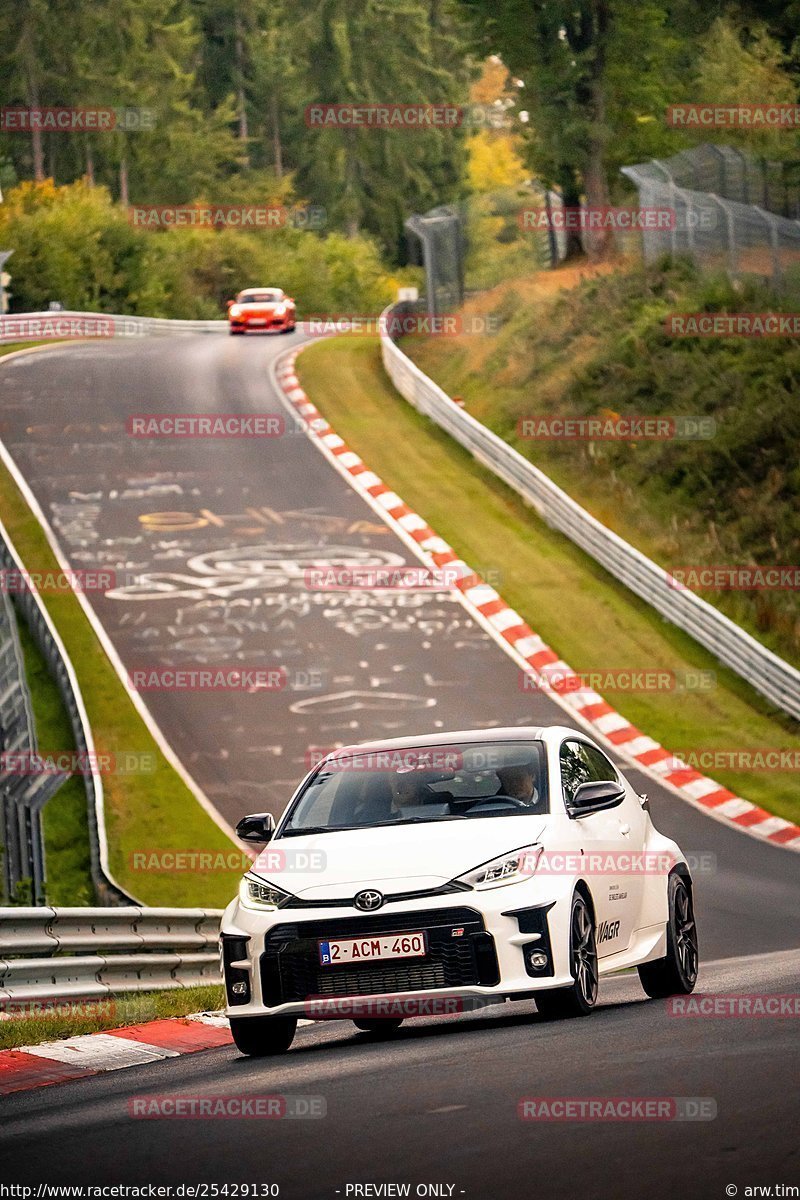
{"x":368,"y":900}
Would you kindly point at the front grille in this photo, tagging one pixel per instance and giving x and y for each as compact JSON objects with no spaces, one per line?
{"x":291,"y":971}
{"x":446,"y":889}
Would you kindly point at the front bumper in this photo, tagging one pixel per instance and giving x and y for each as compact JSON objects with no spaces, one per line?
{"x":479,"y":953}
{"x":262,"y":324}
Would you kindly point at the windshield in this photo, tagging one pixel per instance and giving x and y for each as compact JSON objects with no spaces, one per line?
{"x":261,"y":297}
{"x":426,"y":783}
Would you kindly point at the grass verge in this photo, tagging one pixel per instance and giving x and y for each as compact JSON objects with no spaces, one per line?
{"x":91,"y":1017}
{"x":12,"y":347}
{"x":566,"y":597}
{"x":151,"y":811}
{"x":574,"y":344}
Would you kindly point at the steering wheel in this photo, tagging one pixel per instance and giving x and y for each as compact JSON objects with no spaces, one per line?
{"x":502,"y":799}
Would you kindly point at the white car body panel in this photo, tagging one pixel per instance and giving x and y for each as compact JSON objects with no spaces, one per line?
{"x":424,"y":857}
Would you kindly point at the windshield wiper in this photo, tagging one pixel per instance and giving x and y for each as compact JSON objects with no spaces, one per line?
{"x":417,"y":821}
{"x":297,"y":831}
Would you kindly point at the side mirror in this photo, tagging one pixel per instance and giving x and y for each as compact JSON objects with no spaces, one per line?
{"x":229,"y":303}
{"x":592,"y":797}
{"x":258,"y":827}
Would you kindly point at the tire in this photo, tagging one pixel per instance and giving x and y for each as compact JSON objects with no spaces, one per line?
{"x":378,"y":1024}
{"x":262,"y":1036}
{"x":676,"y":974}
{"x":580,"y":998}
{"x":236,"y":332}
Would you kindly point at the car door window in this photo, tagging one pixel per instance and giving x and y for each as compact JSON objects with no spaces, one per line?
{"x":601,"y":768}
{"x":580,"y":764}
{"x":574,"y":769}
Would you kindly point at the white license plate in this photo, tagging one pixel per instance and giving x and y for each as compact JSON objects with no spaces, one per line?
{"x":258,"y":320}
{"x":367,"y":949}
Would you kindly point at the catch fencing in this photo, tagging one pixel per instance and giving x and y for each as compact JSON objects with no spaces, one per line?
{"x":770,"y":675}
{"x":733,"y":213}
{"x":439,"y":240}
{"x":440,"y":234}
{"x":49,"y":955}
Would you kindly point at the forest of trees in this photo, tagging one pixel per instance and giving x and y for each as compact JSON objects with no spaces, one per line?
{"x":223,"y":89}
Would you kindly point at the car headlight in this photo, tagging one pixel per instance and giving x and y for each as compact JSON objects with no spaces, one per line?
{"x":280,"y":309}
{"x":259,"y":893}
{"x":507,"y":868}
{"x":235,"y":311}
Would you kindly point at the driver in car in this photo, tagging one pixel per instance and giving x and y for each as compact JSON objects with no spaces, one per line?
{"x":518,"y":782}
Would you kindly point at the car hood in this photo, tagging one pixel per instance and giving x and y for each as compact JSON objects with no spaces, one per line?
{"x":403,"y":858}
{"x":262,"y":308}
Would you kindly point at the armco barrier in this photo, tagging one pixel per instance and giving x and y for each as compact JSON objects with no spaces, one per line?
{"x":30,"y":607}
{"x":770,"y":675}
{"x":58,"y":954}
{"x":57,"y":326}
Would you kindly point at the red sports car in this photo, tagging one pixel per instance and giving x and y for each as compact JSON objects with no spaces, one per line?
{"x":263,"y":310}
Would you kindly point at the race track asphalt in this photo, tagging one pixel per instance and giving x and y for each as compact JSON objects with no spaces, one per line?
{"x":210,"y":542}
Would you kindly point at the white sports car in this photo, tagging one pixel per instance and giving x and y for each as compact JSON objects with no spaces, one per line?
{"x":440,"y":873}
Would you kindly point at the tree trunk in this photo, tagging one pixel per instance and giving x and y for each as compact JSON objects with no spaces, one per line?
{"x":37,"y":145}
{"x":277,"y":145}
{"x":598,"y":242}
{"x":241,"y":99}
{"x":244,"y":133}
{"x":123,"y":182}
{"x":572,"y":199}
{"x":351,"y":206}
{"x":89,"y":161}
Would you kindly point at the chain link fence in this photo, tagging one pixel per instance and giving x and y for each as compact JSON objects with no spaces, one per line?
{"x":732,"y":175}
{"x":438,"y":242}
{"x":437,"y":239}
{"x":732,"y":212}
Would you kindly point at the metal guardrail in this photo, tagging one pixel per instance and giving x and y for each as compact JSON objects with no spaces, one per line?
{"x":769,"y":674}
{"x":49,"y":954}
{"x":22,"y":797}
{"x":36,"y":326}
{"x":28,"y":604}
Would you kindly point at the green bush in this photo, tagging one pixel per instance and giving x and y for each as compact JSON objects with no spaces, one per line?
{"x":74,"y":245}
